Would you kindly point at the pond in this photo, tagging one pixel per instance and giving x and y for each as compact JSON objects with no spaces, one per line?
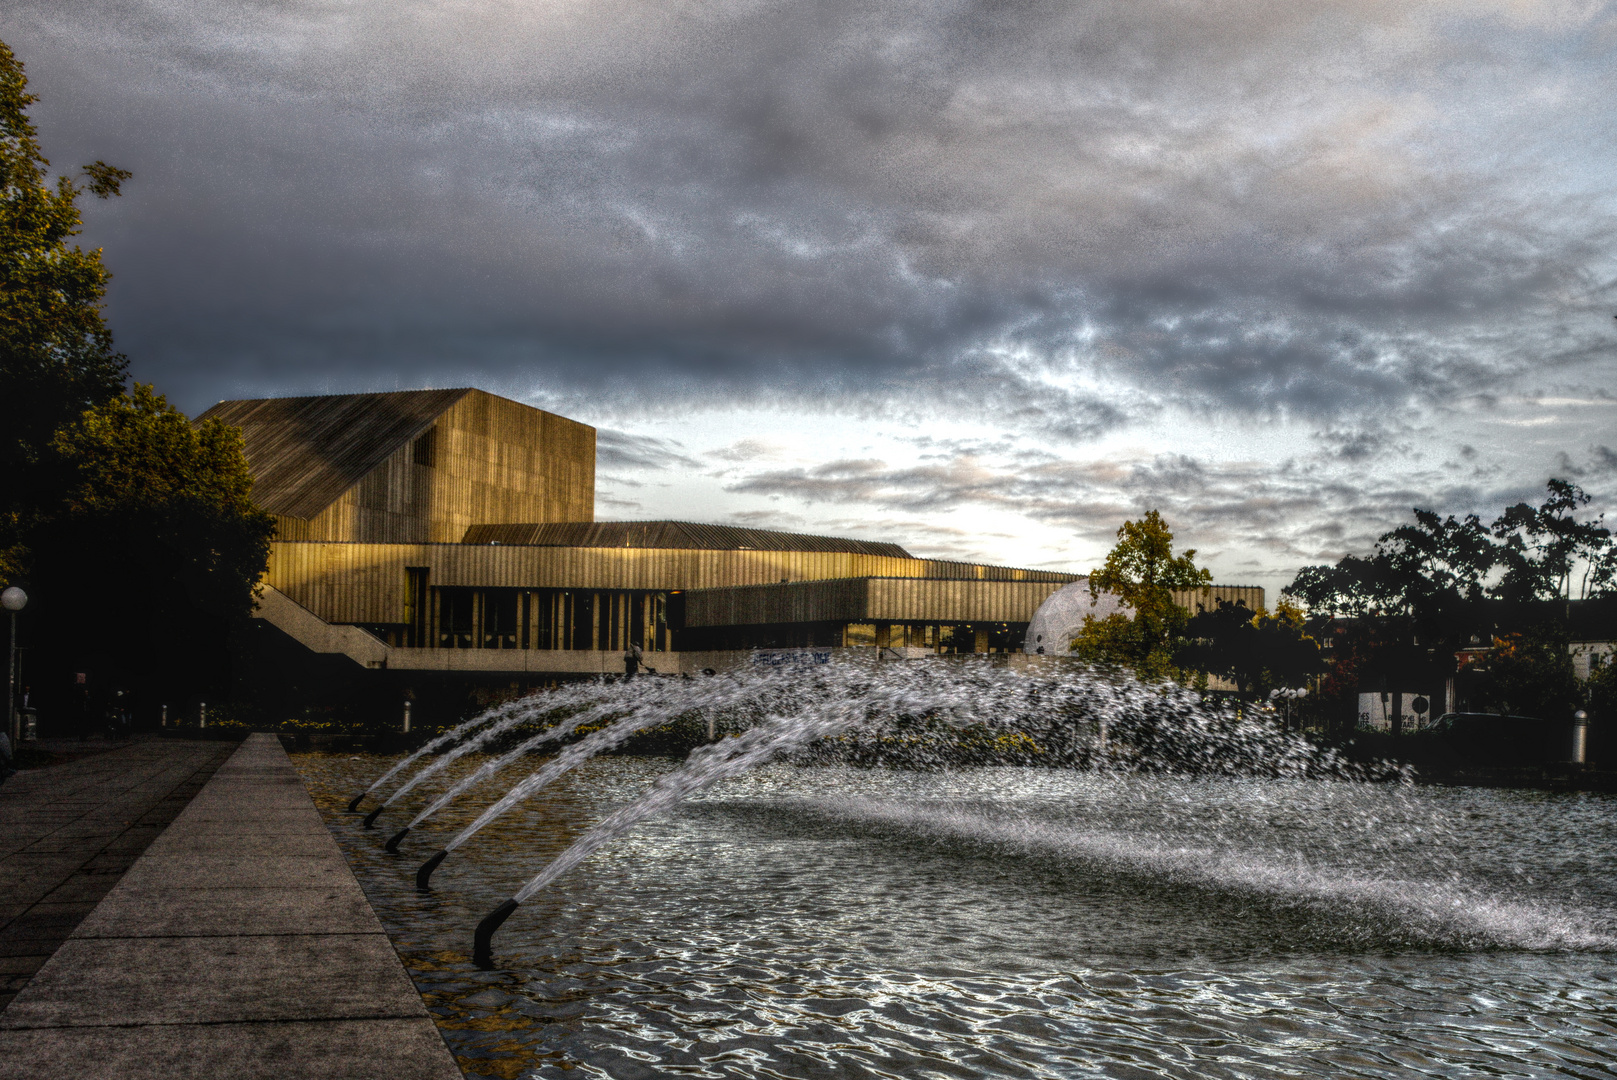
{"x":829,"y":921}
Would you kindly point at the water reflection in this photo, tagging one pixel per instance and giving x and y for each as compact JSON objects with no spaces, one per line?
{"x":818,"y":922}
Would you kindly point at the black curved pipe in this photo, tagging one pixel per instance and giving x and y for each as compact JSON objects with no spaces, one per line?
{"x":353,"y":807}
{"x":393,"y":841}
{"x":370,"y":818}
{"x":482,"y":945}
{"x":424,"y":875}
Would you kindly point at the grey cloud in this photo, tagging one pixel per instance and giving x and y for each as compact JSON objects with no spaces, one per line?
{"x":1055,"y":214}
{"x":622,"y":450}
{"x":1281,"y":515}
{"x":744,"y":450}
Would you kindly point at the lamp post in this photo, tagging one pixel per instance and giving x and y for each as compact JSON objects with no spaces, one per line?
{"x":1288,"y":696}
{"x":13,"y":600}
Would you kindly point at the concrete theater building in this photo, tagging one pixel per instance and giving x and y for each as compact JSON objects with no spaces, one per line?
{"x":445,"y":533}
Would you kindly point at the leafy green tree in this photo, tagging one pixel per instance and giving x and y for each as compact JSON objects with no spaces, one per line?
{"x":56,"y":354}
{"x":135,"y":530}
{"x":157,"y":521}
{"x":1528,"y":674}
{"x":1438,"y":572}
{"x":1257,"y":650}
{"x":1543,"y":547}
{"x":1143,"y":572}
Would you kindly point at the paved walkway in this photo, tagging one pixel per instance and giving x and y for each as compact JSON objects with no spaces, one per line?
{"x":68,"y":833}
{"x":239,"y":945}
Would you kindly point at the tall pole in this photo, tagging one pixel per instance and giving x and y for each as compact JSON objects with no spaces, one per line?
{"x":11,"y":685}
{"x":13,"y":600}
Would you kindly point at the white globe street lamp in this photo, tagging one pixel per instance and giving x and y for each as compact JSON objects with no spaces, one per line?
{"x":13,"y":600}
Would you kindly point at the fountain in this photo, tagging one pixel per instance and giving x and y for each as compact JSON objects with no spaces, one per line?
{"x":937,"y":866}
{"x":934,"y":703}
{"x":476,"y":733}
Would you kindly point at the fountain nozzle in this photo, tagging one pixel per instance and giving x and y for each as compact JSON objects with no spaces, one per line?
{"x":392,"y":844}
{"x":424,"y":875}
{"x":482,"y":944}
{"x":353,"y":806}
{"x":370,"y":818}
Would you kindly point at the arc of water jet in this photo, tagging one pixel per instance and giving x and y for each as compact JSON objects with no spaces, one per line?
{"x":488,"y":769}
{"x":489,"y":716}
{"x":706,"y":766}
{"x":442,"y":740}
{"x":605,"y":739}
{"x":514,"y":712}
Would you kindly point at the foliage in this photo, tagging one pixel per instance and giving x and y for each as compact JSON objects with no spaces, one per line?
{"x":1438,"y":572}
{"x":1600,"y":691}
{"x":1143,"y":572}
{"x":1257,"y":650}
{"x":1527,"y":674}
{"x":1542,"y":547}
{"x":134,"y":531}
{"x":170,"y":500}
{"x":56,"y":354}
{"x":152,"y":553}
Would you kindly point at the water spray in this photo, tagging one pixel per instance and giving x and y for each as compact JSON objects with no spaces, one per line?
{"x":433,"y":744}
{"x":658,"y":710}
{"x":503,"y":719}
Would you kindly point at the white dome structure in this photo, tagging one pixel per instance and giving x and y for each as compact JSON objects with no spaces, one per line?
{"x":1060,"y":617}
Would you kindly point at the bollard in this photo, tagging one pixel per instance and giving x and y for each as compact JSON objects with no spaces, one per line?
{"x":407,"y":718}
{"x":162,"y":716}
{"x":1580,"y":738}
{"x":202,"y":714}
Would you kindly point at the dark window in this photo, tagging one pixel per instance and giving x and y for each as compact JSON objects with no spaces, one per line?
{"x":426,"y":448}
{"x":455,"y":623}
{"x":500,"y":609}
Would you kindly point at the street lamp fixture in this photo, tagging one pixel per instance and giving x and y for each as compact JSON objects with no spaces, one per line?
{"x":13,"y":600}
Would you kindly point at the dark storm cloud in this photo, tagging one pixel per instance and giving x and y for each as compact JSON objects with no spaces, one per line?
{"x":1059,"y":215}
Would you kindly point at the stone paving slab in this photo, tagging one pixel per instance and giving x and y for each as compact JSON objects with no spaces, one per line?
{"x":99,"y":982}
{"x":68,"y":832}
{"x":223,"y":912}
{"x":238,"y":945}
{"x":330,"y":1049}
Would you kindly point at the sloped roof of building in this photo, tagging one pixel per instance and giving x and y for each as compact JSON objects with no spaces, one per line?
{"x":670,"y":534}
{"x":306,"y":451}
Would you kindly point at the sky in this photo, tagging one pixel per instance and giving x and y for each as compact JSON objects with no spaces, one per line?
{"x":981,"y":278}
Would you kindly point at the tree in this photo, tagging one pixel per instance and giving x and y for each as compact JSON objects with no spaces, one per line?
{"x":160,"y":508}
{"x":136,"y":531}
{"x":1256,"y":650}
{"x":1542,"y":547}
{"x":1437,"y":572}
{"x":1527,"y":674}
{"x":56,"y":354}
{"x":1143,"y":572}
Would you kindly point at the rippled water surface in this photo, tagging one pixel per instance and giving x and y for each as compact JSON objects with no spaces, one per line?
{"x":834,"y":922}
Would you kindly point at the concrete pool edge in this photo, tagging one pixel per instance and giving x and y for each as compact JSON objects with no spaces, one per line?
{"x":240,"y":943}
